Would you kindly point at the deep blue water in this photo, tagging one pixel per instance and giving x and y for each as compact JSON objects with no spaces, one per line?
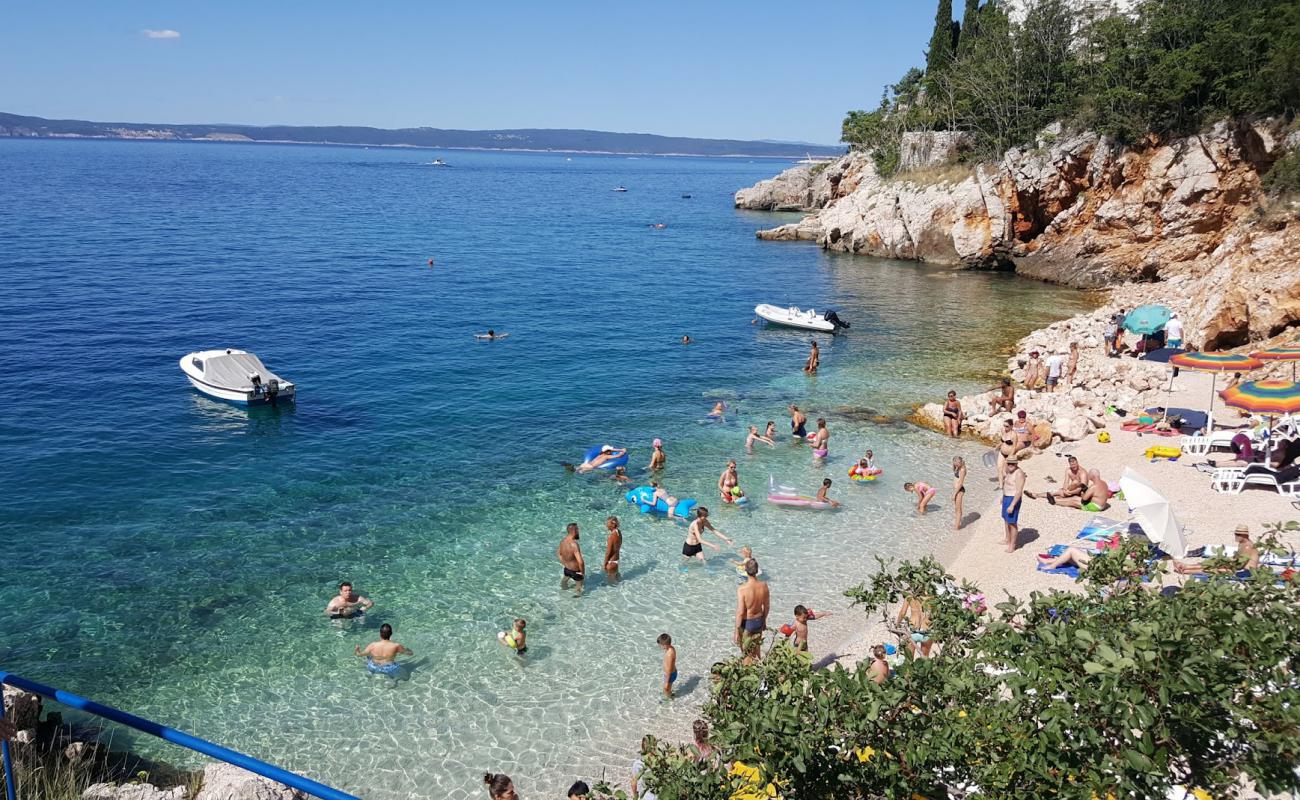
{"x":171,"y":554}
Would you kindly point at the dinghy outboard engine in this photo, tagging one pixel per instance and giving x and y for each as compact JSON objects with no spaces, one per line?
{"x":272,"y":390}
{"x":834,"y":319}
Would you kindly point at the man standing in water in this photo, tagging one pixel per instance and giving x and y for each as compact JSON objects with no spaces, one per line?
{"x":752,"y":605}
{"x":613,"y":548}
{"x":384,"y":652}
{"x":570,"y":555}
{"x":798,"y":423}
{"x":814,"y":359}
{"x":347,"y":603}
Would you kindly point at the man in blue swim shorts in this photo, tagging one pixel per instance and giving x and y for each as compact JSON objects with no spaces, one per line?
{"x":381,"y":656}
{"x":1013,"y":490}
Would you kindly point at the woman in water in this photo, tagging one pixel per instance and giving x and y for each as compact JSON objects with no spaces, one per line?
{"x":728,"y":481}
{"x":754,"y":437}
{"x":770,"y":432}
{"x":952,"y":416}
{"x":924,"y":494}
{"x":499,"y":786}
{"x":719,"y":408}
{"x":658,"y":458}
{"x":958,"y":488}
{"x":798,"y":424}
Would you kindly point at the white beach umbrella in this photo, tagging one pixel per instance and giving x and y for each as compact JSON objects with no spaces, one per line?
{"x":1153,"y":513}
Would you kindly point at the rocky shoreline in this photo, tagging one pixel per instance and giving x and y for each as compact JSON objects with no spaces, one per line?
{"x":1079,"y":210}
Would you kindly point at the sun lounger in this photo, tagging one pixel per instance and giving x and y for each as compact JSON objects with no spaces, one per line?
{"x":1231,"y":480}
{"x":1218,"y":440}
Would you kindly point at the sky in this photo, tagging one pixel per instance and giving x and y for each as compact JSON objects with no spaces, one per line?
{"x":708,"y":68}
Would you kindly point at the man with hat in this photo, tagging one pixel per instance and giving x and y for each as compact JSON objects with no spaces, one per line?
{"x":1013,"y":490}
{"x":1245,"y":550}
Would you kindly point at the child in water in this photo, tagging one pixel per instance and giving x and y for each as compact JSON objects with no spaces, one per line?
{"x":799,"y":630}
{"x":515,"y":638}
{"x":719,"y":408}
{"x":924,"y":494}
{"x":754,"y":437}
{"x":823,"y":494}
{"x":670,"y":663}
{"x":620,"y":475}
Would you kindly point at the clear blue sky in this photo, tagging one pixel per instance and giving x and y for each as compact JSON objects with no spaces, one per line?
{"x":745,"y":70}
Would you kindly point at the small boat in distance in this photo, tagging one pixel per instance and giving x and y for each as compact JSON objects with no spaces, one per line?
{"x":620,"y":188}
{"x":236,"y":376}
{"x":793,"y":317}
{"x":437,"y":162}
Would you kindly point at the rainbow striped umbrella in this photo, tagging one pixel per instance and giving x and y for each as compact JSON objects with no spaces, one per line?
{"x":1271,"y":398}
{"x":1285,"y":353}
{"x":1214,"y":363}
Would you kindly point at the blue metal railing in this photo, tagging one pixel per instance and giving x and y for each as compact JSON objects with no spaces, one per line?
{"x":152,"y":728}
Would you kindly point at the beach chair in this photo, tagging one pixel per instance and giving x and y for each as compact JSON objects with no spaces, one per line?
{"x":1219,"y":440}
{"x":1231,"y":480}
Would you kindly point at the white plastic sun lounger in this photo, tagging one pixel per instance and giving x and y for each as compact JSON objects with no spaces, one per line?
{"x":1231,"y":480}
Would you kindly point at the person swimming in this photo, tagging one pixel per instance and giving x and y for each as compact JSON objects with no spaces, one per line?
{"x":607,"y":453}
{"x":719,"y":409}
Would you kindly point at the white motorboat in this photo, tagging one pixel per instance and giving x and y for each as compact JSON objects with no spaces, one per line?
{"x":794,"y":317}
{"x":236,"y":376}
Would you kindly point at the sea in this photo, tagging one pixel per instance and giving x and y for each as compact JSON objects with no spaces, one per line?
{"x":172,"y":555}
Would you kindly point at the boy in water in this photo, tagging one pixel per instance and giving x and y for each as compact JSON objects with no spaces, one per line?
{"x":800,"y":628}
{"x":670,"y":663}
{"x":824,"y":496}
{"x":515,"y":638}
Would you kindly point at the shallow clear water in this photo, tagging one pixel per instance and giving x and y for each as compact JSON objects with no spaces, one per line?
{"x":171,"y":555}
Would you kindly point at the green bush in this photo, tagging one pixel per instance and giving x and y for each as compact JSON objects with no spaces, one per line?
{"x":1283,"y":178}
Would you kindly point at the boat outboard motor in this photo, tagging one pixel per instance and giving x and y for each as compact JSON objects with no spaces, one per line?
{"x":272,"y":390}
{"x":834,"y":319}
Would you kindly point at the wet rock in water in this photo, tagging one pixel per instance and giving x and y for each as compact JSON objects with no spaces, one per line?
{"x":228,"y":782}
{"x":132,"y":791}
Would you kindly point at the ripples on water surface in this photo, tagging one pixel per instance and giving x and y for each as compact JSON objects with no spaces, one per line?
{"x":171,"y":555}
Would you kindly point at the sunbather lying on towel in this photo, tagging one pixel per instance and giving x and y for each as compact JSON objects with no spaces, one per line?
{"x":1245,"y":549}
{"x":1072,"y":557}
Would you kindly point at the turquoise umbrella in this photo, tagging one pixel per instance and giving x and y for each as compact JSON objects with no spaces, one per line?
{"x":1146,"y":320}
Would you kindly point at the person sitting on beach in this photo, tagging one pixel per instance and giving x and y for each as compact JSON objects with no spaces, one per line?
{"x":660,"y":494}
{"x":821,"y":440}
{"x":799,"y":630}
{"x":515,"y":638}
{"x":658,"y":459}
{"x":1024,"y":431}
{"x":1247,"y":558}
{"x":952,"y":415}
{"x":823,"y":494}
{"x":670,"y":663}
{"x":798,"y":424}
{"x":620,"y":475}
{"x":719,"y":409}
{"x":607,"y":453}
{"x":703,"y":747}
{"x":754,"y":437}
{"x":384,"y":651}
{"x":695,"y":541}
{"x":1073,"y":484}
{"x":770,"y":431}
{"x":347,"y":603}
{"x":1005,"y":400}
{"x":1236,"y":379}
{"x":879,"y":669}
{"x":924,"y":494}
{"x":1095,"y":496}
{"x":728,"y":481}
{"x":499,"y":786}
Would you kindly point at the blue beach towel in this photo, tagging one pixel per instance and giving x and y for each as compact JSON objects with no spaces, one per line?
{"x":1056,"y":550}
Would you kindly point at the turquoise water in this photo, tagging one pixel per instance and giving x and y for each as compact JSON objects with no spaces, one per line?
{"x":171,"y":555}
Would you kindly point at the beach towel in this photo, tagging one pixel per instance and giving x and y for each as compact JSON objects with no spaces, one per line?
{"x":1100,"y":527}
{"x":1193,"y":419}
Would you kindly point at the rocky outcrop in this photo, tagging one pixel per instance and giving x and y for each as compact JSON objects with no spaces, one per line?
{"x":132,"y":791}
{"x":1077,"y":209}
{"x":228,"y":782}
{"x":922,"y":149}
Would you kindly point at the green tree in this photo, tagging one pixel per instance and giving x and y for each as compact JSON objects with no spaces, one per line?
{"x":940,"y":53}
{"x":1118,"y":690}
{"x":969,"y":26}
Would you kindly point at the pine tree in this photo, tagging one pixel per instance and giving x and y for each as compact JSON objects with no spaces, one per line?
{"x":940,"y":53}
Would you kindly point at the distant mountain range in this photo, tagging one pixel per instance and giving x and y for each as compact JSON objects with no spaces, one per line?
{"x":559,"y":140}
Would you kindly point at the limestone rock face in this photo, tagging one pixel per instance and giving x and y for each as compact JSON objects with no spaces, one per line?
{"x":228,"y":782}
{"x":921,"y":149}
{"x":1078,"y":209}
{"x":132,"y":791}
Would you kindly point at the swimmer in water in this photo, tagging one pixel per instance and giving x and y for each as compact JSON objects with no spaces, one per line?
{"x":823,"y":494}
{"x":695,"y":541}
{"x":746,"y":553}
{"x":385,"y":651}
{"x":658,"y":458}
{"x":607,"y":453}
{"x":660,"y":494}
{"x":686,"y":339}
{"x":924,"y":494}
{"x":798,"y":424}
{"x":754,"y":437}
{"x":814,"y":359}
{"x":515,"y":638}
{"x":821,"y":440}
{"x":620,"y":475}
{"x":347,"y":603}
{"x":570,"y":555}
{"x":728,"y":482}
{"x":719,"y":408}
{"x":770,"y":431}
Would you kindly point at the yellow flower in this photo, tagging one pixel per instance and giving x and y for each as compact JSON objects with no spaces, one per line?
{"x":961,"y":714}
{"x":1201,"y":794}
{"x":865,"y":753}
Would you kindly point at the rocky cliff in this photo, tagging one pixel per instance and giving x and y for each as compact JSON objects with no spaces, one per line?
{"x":1077,"y":209}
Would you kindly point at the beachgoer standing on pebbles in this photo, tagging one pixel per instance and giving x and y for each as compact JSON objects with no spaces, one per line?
{"x":1013,"y":490}
{"x":958,"y":489}
{"x":1073,"y":365}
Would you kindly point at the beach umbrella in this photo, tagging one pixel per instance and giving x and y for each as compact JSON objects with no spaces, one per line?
{"x":1152,"y":512}
{"x":1284,"y":353}
{"x":1214,"y":363}
{"x":1146,"y":319}
{"x":1270,"y":398}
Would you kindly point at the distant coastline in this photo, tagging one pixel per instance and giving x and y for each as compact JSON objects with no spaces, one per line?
{"x":529,"y":140}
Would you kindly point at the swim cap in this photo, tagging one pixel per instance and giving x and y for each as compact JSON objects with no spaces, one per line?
{"x":658,"y":442}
